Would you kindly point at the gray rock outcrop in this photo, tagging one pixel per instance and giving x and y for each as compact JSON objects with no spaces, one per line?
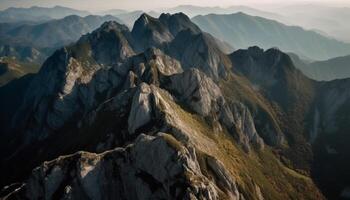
{"x":158,"y":167}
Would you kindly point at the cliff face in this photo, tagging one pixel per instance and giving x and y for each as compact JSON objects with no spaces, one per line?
{"x":313,"y":114}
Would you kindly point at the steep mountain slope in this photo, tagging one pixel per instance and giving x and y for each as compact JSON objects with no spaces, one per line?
{"x":36,"y":13}
{"x":330,"y":135}
{"x":242,"y":31}
{"x":151,"y":32}
{"x":313,"y":115}
{"x":274,"y":75}
{"x":168,"y":30}
{"x":200,"y":50}
{"x":267,"y":68}
{"x":162,"y":128}
{"x":335,"y":68}
{"x":12,"y":95}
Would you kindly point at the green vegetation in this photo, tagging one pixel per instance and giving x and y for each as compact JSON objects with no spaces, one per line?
{"x":238,"y":88}
{"x":260,"y":168}
{"x":14,"y":69}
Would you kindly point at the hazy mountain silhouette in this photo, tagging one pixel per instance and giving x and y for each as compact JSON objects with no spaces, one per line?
{"x":242,"y":30}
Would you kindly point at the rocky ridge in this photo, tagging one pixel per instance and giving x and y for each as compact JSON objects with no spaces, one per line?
{"x":149,"y":101}
{"x":153,"y":167}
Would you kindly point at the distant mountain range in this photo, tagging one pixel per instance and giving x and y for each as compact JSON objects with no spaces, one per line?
{"x":24,"y":45}
{"x":112,"y":12}
{"x":192,"y":11}
{"x":36,"y":13}
{"x":335,"y":68}
{"x":327,"y":20}
{"x":242,"y":30}
{"x":331,"y":20}
{"x":56,"y":33}
{"x":239,"y":30}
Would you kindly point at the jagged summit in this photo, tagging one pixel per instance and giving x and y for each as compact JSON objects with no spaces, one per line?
{"x":107,"y":45}
{"x":270,"y":61}
{"x":143,"y":21}
{"x":146,"y":17}
{"x":77,"y":81}
{"x":173,"y":22}
{"x":179,"y":37}
{"x":149,"y":31}
{"x":112,"y":25}
{"x":274,"y":72}
{"x":178,"y":22}
{"x":200,"y":50}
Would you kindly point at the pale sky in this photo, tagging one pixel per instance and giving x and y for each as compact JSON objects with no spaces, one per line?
{"x":96,"y":5}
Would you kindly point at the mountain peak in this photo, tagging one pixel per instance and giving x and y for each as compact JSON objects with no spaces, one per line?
{"x":157,"y":32}
{"x":240,"y":13}
{"x":178,"y":22}
{"x":164,"y":15}
{"x":272,"y":70}
{"x":178,"y":15}
{"x":255,"y":51}
{"x":145,"y":18}
{"x":150,"y":31}
{"x":201,"y":50}
{"x":112,"y":25}
{"x":107,"y":45}
{"x":72,"y":17}
{"x":173,"y":23}
{"x":256,"y":56}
